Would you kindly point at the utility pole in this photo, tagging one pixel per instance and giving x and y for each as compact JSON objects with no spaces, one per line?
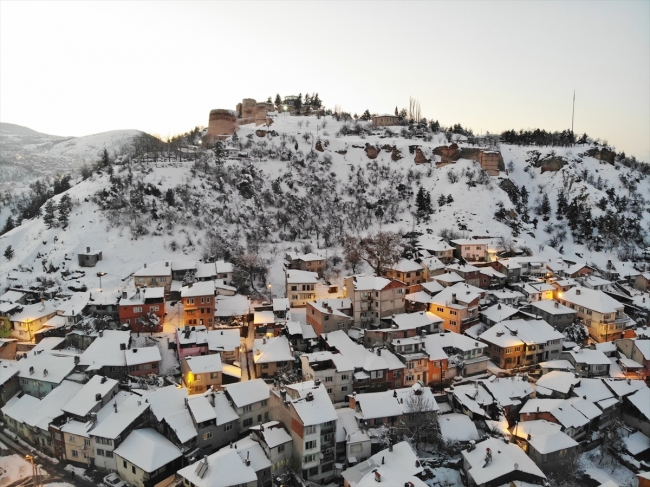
{"x":573,"y":111}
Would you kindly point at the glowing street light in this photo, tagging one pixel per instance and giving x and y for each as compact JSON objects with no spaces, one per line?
{"x":100,"y":275}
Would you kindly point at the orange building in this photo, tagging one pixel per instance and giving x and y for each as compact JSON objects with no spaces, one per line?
{"x":198,"y":303}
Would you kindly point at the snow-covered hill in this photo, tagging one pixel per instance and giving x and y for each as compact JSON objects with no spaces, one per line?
{"x":290,"y":195}
{"x":26,"y":154}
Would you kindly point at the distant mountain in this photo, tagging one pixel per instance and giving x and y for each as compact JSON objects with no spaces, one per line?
{"x":13,"y":129}
{"x":26,"y":154}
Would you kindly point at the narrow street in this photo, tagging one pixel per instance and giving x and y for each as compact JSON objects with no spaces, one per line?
{"x":56,"y":472}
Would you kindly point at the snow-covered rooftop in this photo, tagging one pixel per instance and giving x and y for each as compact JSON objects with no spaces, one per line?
{"x":160,"y":268}
{"x":592,"y":299}
{"x":143,"y":355}
{"x":201,"y":364}
{"x":314,"y":405}
{"x":274,"y":349}
{"x":515,"y":332}
{"x":203,"y":288}
{"x":148,"y":450}
{"x":295,"y":276}
{"x":248,"y":392}
{"x":45,"y":367}
{"x":86,"y":399}
{"x":506,"y":458}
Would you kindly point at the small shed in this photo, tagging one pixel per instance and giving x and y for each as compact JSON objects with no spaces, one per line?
{"x":89,"y":259}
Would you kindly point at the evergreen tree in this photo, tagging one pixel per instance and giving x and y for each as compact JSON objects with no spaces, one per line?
{"x":278,"y":101}
{"x":523,"y":194}
{"x":562,"y":205}
{"x":316,"y":101}
{"x":396,"y":111}
{"x":269,"y":100}
{"x":298,"y":103}
{"x":9,"y":225}
{"x":545,"y":208}
{"x":219,"y":153}
{"x":65,"y":205}
{"x":307,"y":99}
{"x":435,"y":126}
{"x":450,"y":199}
{"x":169,"y":197}
{"x":421,"y":204}
{"x":9,"y":253}
{"x":442,"y":200}
{"x":366,"y":116}
{"x":49,"y":217}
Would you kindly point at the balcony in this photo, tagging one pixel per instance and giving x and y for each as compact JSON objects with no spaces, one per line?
{"x":329,"y":428}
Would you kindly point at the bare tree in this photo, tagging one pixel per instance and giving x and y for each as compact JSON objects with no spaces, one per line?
{"x":421,"y":422}
{"x":414,"y":110}
{"x":379,"y":251}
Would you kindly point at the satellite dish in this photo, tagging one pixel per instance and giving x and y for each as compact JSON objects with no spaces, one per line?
{"x":516,"y":466}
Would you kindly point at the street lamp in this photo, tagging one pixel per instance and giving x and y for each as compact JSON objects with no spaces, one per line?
{"x":31,"y":459}
{"x":270,"y":295}
{"x":100,"y":275}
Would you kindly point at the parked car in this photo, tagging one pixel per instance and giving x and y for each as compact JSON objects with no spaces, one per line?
{"x":112,"y":480}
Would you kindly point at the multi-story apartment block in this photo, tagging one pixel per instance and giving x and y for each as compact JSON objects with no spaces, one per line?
{"x":198,"y":303}
{"x":601,"y":314}
{"x":332,"y":370}
{"x":327,"y":315}
{"x":307,"y":408}
{"x":468,"y":272}
{"x":458,"y":306}
{"x":374,"y":298}
{"x":300,"y":287}
{"x":143,"y":309}
{"x":251,"y":401}
{"x":470,"y":250}
{"x":407,"y":271}
{"x":306,"y":262}
{"x":154,"y":275}
{"x":516,"y":343}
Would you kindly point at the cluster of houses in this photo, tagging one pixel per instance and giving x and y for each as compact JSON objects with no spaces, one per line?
{"x":538,"y":355}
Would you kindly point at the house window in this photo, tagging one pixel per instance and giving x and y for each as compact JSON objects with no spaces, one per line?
{"x":310,"y":445}
{"x":344,"y":377}
{"x":248,"y":422}
{"x":137,"y":309}
{"x":154,"y":308}
{"x":329,"y":391}
{"x":344,"y":388}
{"x":75,"y":453}
{"x":109,"y":454}
{"x":328,"y":379}
{"x":214,"y":375}
{"x":439,"y":309}
{"x":310,"y":430}
{"x":100,"y":452}
{"x":264,"y":402}
{"x":207,"y":435}
{"x":227,"y":427}
{"x":133,"y":468}
{"x":247,"y":408}
{"x":309,"y":458}
{"x":409,"y":378}
{"x":280,"y":448}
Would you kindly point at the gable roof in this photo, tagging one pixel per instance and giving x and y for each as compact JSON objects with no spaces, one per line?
{"x":274,"y":349}
{"x":592,"y":299}
{"x":247,"y":392}
{"x":86,"y":399}
{"x":148,"y":449}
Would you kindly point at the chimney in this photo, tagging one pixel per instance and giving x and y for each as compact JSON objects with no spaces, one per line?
{"x":247,"y":461}
{"x":135,"y":350}
{"x":390,"y":446}
{"x":115,"y":406}
{"x":123,"y":294}
{"x":145,"y":265}
{"x":557,"y":305}
{"x":379,"y":352}
{"x":310,"y":396}
{"x":87,"y":250}
{"x":76,"y":359}
{"x":166,"y":264}
{"x":283,"y":393}
{"x":264,"y":340}
{"x":453,"y":298}
{"x":98,"y":397}
{"x":316,"y":382}
{"x":499,"y":306}
{"x":31,"y":370}
{"x":377,"y":476}
{"x":103,"y":379}
{"x":382,"y":461}
{"x":122,"y":346}
{"x":45,"y":373}
{"x":578,"y":292}
{"x":101,"y":333}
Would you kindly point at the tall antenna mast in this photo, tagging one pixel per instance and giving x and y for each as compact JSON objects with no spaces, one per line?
{"x":574,"y":110}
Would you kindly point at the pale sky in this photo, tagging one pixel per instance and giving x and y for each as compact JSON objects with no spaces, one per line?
{"x":77,"y":68}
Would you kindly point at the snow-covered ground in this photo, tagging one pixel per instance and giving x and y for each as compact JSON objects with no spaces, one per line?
{"x":14,"y":468}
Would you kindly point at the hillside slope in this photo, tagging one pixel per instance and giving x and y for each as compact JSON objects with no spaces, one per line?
{"x":290,"y":195}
